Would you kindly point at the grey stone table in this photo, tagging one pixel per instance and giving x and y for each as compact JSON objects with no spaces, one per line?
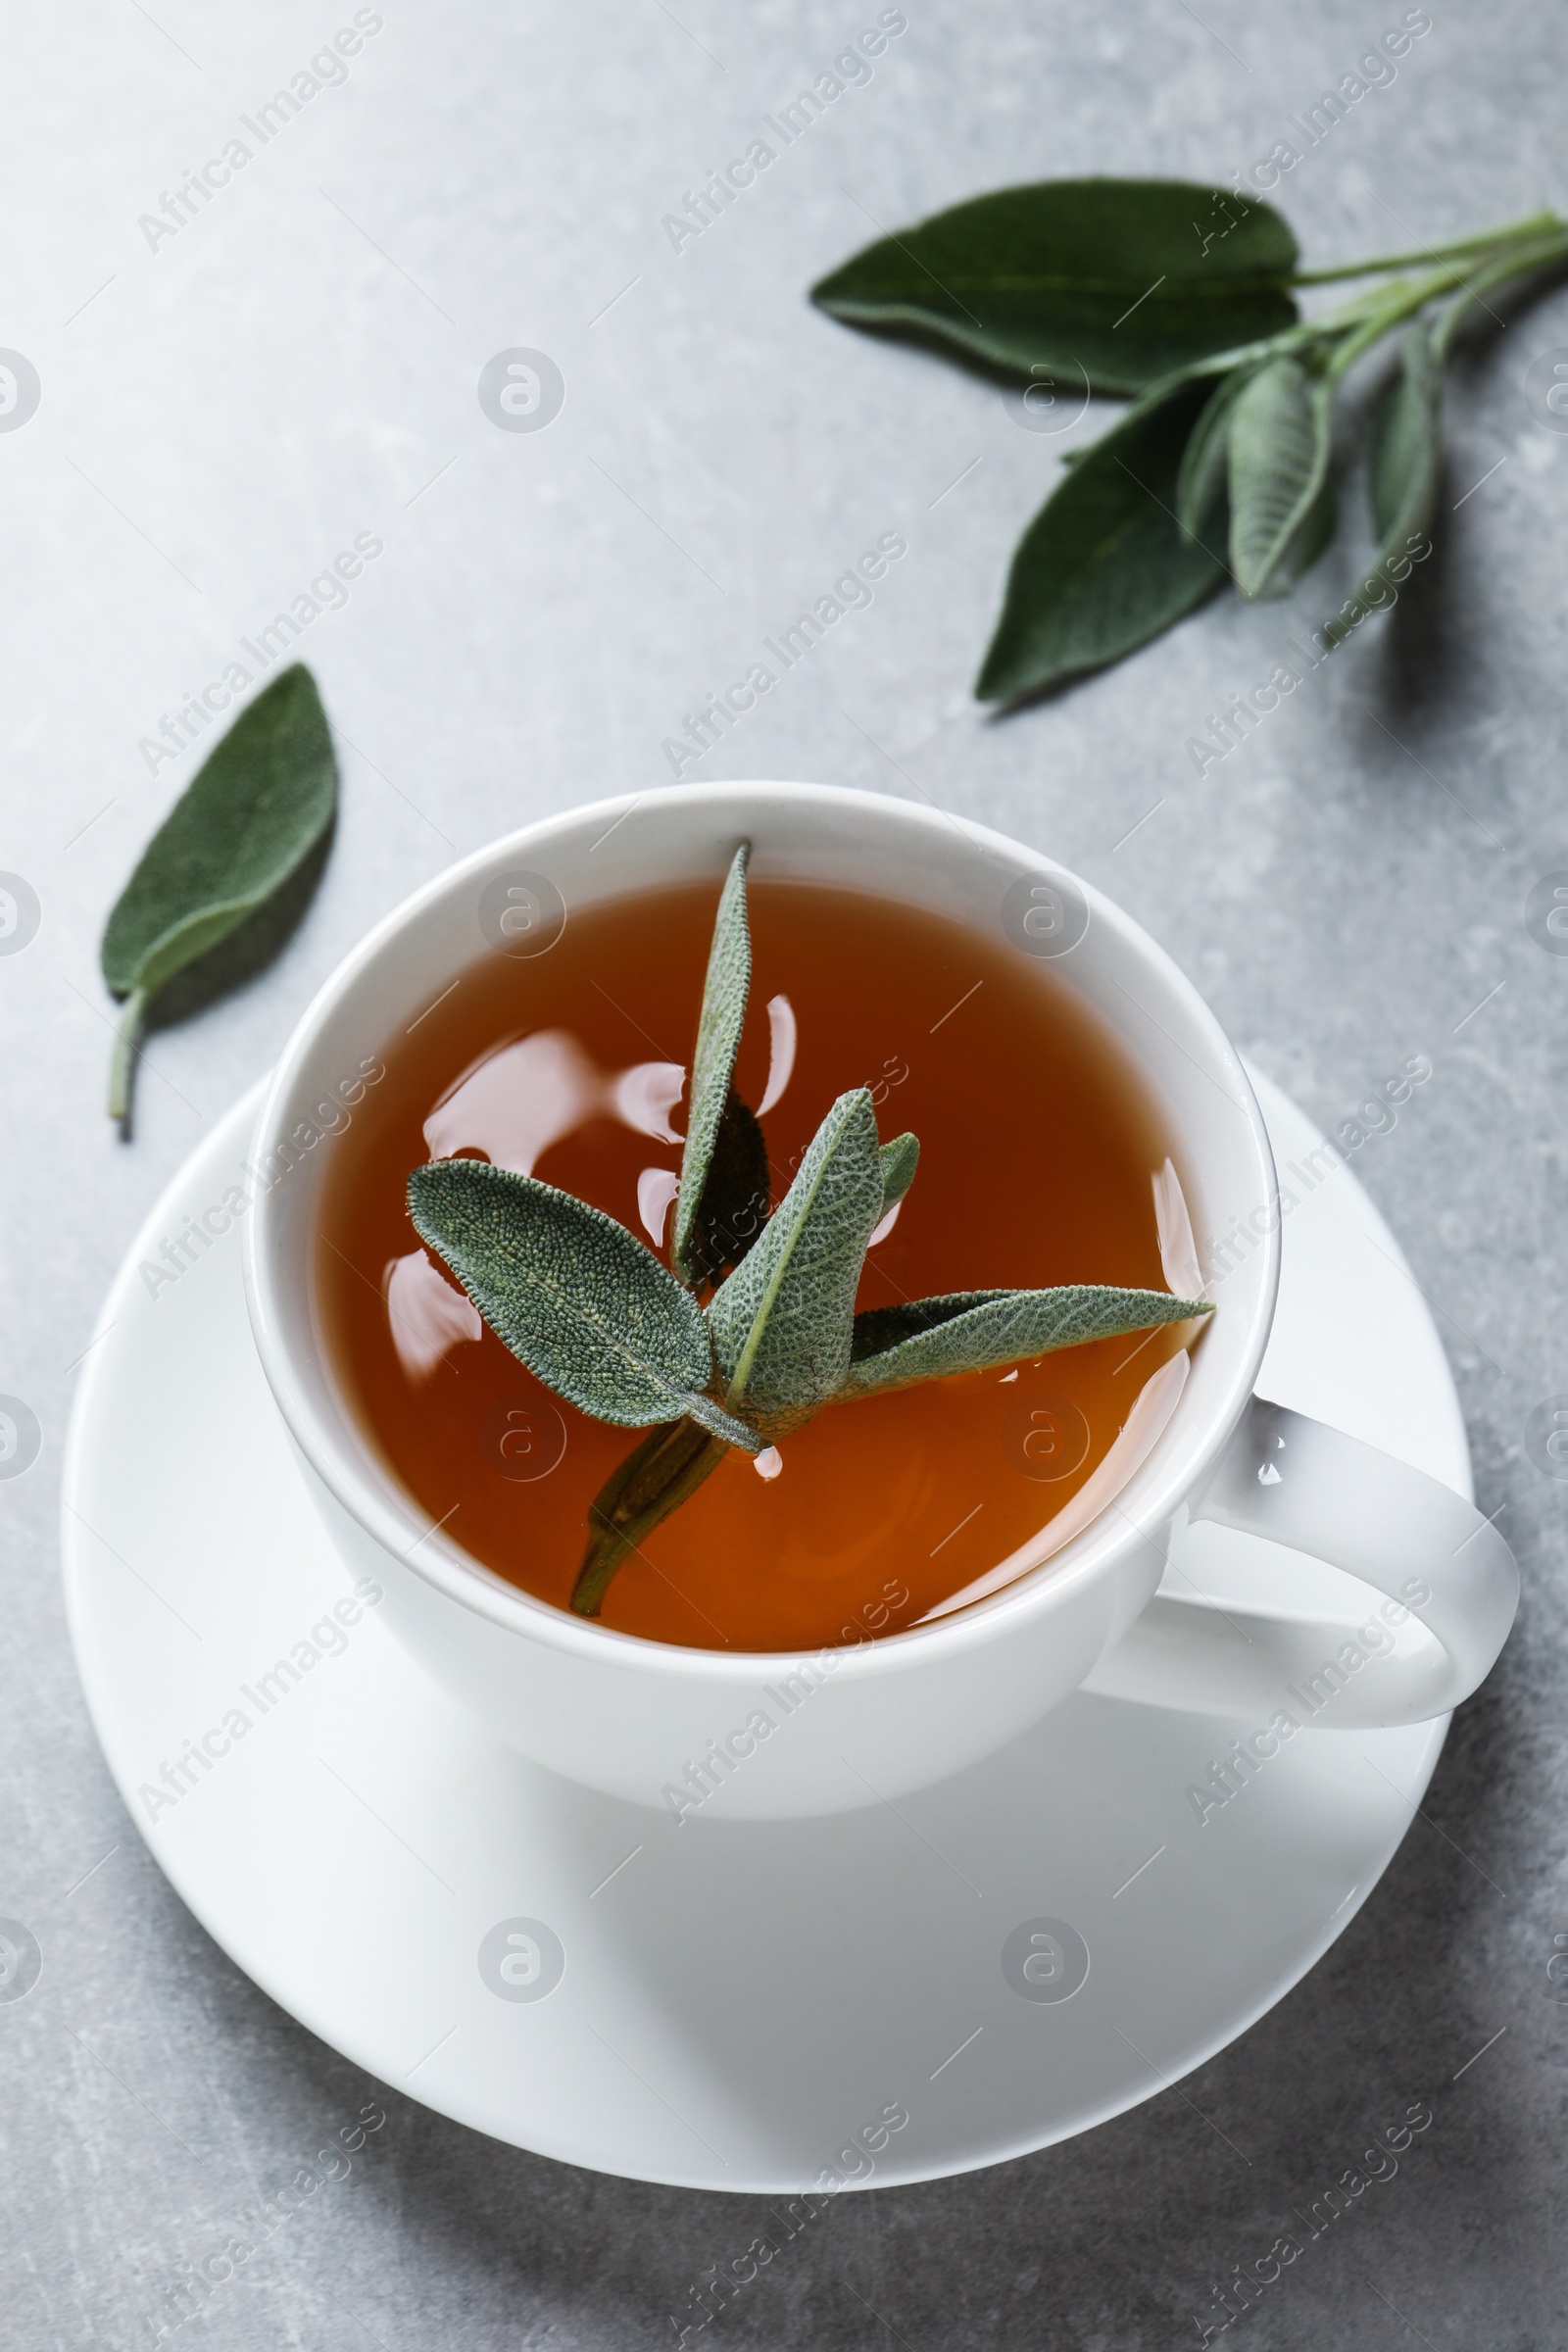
{"x":225,"y":403}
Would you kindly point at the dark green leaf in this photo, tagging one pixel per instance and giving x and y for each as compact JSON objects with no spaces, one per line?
{"x":734,"y":1205}
{"x":1407,"y":440}
{"x":654,"y":1480}
{"x":1406,"y":463}
{"x":971,"y":1331}
{"x":1280,"y":443}
{"x":249,"y":820}
{"x":1123,"y":279}
{"x":899,"y":1160}
{"x":1104,"y":565}
{"x":782,"y":1322}
{"x":718,"y":1035}
{"x":1201,"y":483}
{"x":573,"y":1294}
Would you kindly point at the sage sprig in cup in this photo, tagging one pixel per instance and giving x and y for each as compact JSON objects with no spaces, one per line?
{"x":752,"y":1329}
{"x":1074,"y":1121}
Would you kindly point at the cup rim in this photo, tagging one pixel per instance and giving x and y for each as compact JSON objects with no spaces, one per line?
{"x":1160,"y":1483}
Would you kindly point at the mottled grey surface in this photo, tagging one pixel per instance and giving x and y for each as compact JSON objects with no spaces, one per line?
{"x":220,"y":416}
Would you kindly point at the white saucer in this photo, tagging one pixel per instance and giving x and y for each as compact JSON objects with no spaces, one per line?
{"x":739,"y":2001}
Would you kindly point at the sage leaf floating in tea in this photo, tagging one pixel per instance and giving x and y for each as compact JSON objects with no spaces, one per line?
{"x":594,"y":1314}
{"x":724,"y":1179}
{"x":575,"y":1296}
{"x":782,"y":1322}
{"x":734,"y":1198}
{"x":233,"y":850}
{"x":1185,"y":295}
{"x":899,"y":1160}
{"x":710,"y":1096}
{"x":929,"y":1339}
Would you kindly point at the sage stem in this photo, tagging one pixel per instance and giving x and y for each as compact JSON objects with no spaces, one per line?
{"x":654,"y":1480}
{"x":1538,"y":224}
{"x":1413,"y":294}
{"x":1511,"y":265}
{"x":123,"y":1063}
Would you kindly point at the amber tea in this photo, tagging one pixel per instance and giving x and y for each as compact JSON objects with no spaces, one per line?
{"x":1040,"y":1151}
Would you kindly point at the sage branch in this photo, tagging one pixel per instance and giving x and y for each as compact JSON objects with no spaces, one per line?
{"x":1183,"y":297}
{"x":752,"y":1328}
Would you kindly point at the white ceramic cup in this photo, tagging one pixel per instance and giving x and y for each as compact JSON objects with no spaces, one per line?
{"x":851,"y":1725}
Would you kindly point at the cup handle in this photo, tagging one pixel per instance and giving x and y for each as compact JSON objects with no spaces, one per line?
{"x":1427,"y":1551}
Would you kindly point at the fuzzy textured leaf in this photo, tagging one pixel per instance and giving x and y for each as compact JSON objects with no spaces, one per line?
{"x":718,"y":1035}
{"x":1405,"y":468}
{"x":970,"y":1331}
{"x":1311,"y":537}
{"x":1124,"y":279}
{"x":254,"y":809}
{"x":1407,"y":440}
{"x":782,"y":1322}
{"x":572,"y":1294}
{"x":1280,"y":443}
{"x":1104,"y":565}
{"x":1201,"y":484}
{"x":899,"y":1160}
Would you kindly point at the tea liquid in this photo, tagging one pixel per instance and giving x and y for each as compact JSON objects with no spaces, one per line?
{"x":1038,"y":1151}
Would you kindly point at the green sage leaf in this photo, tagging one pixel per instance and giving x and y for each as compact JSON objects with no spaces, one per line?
{"x":733,"y":1208}
{"x":783,"y":1321}
{"x":718,"y":1036}
{"x":1104,"y":565}
{"x":1279,"y":442}
{"x":239,"y":835}
{"x":1405,"y":466}
{"x":1310,"y":539}
{"x":1407,"y":440}
{"x":1201,"y":484}
{"x":1125,"y":280}
{"x":899,"y":1160}
{"x":655,"y":1478}
{"x":573,"y":1294}
{"x":972,"y":1331}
